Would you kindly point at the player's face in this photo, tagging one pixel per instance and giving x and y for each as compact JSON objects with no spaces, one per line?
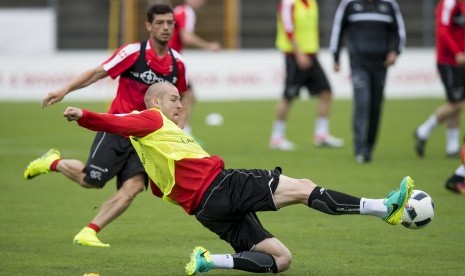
{"x":161,"y":28}
{"x":170,"y":105}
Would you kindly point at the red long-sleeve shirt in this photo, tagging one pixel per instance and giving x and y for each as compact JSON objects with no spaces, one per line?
{"x":192,"y":175}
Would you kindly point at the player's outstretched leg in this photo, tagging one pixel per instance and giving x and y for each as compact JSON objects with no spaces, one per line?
{"x":42,"y":164}
{"x":88,"y":237}
{"x":200,"y":261}
{"x":396,"y":201}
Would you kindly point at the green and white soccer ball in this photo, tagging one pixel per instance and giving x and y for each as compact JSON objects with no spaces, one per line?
{"x":419,"y":210}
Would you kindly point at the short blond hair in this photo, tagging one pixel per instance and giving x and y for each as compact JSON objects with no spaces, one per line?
{"x":157,"y":90}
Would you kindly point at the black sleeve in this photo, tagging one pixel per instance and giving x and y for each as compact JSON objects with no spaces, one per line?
{"x":397,"y":31}
{"x":337,"y":32}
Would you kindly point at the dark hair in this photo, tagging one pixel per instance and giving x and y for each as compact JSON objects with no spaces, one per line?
{"x":156,"y":10}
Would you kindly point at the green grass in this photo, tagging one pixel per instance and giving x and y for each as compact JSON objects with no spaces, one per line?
{"x":39,"y":218}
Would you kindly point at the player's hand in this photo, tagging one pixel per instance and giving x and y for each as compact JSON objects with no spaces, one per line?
{"x":303,"y":60}
{"x":460,"y":59}
{"x":53,"y":97}
{"x":73,"y":113}
{"x":336,"y":67}
{"x":214,"y":46}
{"x":390,"y":59}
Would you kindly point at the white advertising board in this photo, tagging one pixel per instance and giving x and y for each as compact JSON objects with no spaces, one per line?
{"x":227,"y":75}
{"x":30,"y":30}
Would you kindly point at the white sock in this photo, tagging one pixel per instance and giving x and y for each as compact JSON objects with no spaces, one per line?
{"x":452,"y":137}
{"x":321,"y":126}
{"x":223,"y":260}
{"x":279,"y":129}
{"x":460,"y":171}
{"x":374,"y":207}
{"x":187,"y":129}
{"x":425,"y":129}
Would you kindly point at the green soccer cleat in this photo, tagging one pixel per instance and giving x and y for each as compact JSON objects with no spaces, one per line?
{"x":396,"y":200}
{"x":88,"y":237}
{"x":42,"y":164}
{"x":200,"y":261}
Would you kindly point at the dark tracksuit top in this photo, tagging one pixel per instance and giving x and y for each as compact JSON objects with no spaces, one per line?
{"x":373,"y":29}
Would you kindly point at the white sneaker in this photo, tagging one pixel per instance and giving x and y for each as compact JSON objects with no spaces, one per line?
{"x":281,"y":144}
{"x":328,"y":141}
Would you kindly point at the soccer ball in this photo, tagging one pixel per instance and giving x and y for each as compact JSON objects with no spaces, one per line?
{"x":214,"y":119}
{"x":419,"y":210}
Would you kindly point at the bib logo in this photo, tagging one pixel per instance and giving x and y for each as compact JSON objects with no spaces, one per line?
{"x":187,"y":140}
{"x":149,"y":77}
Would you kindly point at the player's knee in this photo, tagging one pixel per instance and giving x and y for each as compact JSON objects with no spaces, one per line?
{"x":132,"y":188}
{"x":283,"y":261}
{"x":325,"y":95}
{"x":133,"y":185}
{"x":457,"y":106}
{"x":307,"y":183}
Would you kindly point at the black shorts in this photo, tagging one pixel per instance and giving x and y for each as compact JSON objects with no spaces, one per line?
{"x":112,"y":155}
{"x":314,"y":78}
{"x":229,"y":204}
{"x":453,"y":79}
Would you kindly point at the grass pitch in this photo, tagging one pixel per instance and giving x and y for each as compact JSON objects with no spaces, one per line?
{"x":39,"y":218}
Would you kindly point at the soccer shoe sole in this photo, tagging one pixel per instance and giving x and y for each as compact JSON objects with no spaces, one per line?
{"x":396,"y":213}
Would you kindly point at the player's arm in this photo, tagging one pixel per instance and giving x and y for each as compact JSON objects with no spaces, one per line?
{"x":444,"y":34}
{"x":337,"y":32}
{"x":397,"y":36}
{"x":287,"y":19}
{"x":83,"y":80}
{"x":132,"y":124}
{"x":192,"y":39}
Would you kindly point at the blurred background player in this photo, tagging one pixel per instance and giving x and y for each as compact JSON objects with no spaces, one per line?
{"x":450,"y":59}
{"x":375,"y":37}
{"x":184,"y":35}
{"x":456,"y":182}
{"x":138,"y":65}
{"x":298,"y":38}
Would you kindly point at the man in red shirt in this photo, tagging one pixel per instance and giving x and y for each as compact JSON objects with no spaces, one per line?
{"x":138,"y":65}
{"x":225,"y":200}
{"x":450,"y":56}
{"x":184,"y":35}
